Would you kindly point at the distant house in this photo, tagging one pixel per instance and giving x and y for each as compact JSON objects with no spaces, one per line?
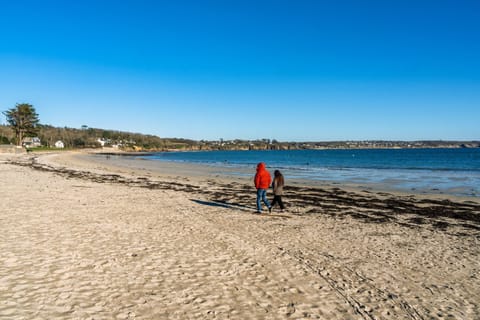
{"x":31,"y":142}
{"x":59,"y":144}
{"x":104,"y":141}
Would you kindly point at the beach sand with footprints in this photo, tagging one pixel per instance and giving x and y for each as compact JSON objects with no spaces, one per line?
{"x":81,"y":239}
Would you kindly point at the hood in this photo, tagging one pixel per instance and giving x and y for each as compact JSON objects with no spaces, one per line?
{"x":261,"y":166}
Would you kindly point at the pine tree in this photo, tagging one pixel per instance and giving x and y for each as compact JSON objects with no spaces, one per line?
{"x":23,"y":119}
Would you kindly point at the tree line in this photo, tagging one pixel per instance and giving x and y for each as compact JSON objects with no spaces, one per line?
{"x":23,"y":121}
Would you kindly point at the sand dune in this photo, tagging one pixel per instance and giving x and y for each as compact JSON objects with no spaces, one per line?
{"x":83,"y":241}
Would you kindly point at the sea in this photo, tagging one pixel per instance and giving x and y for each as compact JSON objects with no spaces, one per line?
{"x":436,"y":171}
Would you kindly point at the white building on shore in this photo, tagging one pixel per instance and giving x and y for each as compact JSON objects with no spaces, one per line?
{"x":59,"y":144}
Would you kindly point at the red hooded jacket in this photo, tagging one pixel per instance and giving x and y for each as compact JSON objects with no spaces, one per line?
{"x":262,"y":177}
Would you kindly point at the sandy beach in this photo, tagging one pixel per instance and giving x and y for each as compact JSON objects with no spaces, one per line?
{"x":84,"y":239}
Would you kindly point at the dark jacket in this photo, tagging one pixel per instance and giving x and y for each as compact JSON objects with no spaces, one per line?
{"x":277,"y":186}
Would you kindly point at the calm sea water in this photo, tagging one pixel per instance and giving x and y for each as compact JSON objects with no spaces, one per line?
{"x":450,"y":171}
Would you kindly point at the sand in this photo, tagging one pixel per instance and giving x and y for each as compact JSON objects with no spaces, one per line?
{"x":85,"y":240}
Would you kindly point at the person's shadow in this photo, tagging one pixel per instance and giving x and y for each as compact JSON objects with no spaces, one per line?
{"x":223,"y":204}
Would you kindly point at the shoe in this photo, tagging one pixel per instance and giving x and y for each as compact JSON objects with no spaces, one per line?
{"x":258,"y":212}
{"x":270,"y":209}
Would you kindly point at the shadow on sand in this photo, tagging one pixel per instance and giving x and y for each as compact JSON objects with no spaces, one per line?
{"x":227,"y":205}
{"x":223,"y":204}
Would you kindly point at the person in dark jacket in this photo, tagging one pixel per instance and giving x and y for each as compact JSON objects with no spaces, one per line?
{"x":262,"y":182}
{"x":278,"y":183}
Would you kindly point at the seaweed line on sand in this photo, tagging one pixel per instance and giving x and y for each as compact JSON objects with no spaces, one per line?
{"x":369,"y":207}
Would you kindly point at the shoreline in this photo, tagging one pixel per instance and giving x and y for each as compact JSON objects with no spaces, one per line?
{"x":240,"y":173}
{"x":103,"y":241}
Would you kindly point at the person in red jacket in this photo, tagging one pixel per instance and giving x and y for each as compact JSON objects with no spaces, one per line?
{"x":262,"y":183}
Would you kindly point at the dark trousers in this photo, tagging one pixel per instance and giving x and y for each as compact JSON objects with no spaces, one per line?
{"x":279,"y":200}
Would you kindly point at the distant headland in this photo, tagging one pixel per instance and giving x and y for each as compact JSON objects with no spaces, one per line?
{"x":266,"y":144}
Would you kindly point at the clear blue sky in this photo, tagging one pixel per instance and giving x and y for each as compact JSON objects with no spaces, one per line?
{"x":285,"y":70}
